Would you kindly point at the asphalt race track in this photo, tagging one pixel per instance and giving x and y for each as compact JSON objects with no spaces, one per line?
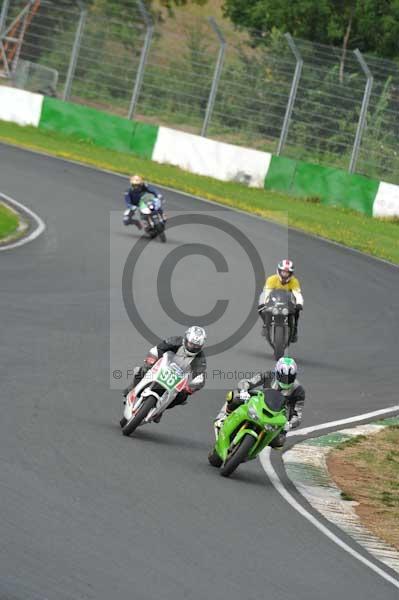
{"x":89,"y":514}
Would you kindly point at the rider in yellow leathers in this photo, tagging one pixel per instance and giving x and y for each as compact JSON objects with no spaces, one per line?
{"x":283,"y":280}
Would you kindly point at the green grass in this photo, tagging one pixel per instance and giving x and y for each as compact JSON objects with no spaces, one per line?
{"x":367,"y":472}
{"x":346,"y":497}
{"x":372,"y":236}
{"x":353,"y":441}
{"x":8,"y":222}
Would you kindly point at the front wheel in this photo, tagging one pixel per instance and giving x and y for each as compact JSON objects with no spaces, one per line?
{"x":161,"y":231}
{"x":140,"y":415}
{"x":152,"y":233}
{"x":279,"y":342}
{"x":239,"y":454}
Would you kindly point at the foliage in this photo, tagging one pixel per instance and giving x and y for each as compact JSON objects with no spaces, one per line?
{"x":380,"y":147}
{"x":316,"y":133}
{"x":372,"y":25}
{"x":253,"y":82}
{"x":122,"y":9}
{"x":179,"y":87}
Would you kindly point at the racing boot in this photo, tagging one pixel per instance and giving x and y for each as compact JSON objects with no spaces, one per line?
{"x":294,"y":336}
{"x":279,"y":441}
{"x":220,"y":419}
{"x":138,"y":374}
{"x":264,"y":317}
{"x":128,"y":389}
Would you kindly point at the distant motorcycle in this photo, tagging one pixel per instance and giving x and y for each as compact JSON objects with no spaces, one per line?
{"x":151,"y":215}
{"x":248,"y":430}
{"x":281,"y":309}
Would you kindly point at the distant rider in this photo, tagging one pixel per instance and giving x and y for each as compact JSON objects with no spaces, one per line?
{"x":133,"y":196}
{"x":189,"y":347}
{"x":283,"y":379}
{"x":283,"y":280}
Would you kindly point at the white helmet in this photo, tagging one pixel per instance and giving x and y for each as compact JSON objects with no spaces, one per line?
{"x":194,"y":340}
{"x":285,"y":270}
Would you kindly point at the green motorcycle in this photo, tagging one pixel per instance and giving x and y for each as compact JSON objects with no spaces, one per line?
{"x":248,"y":430}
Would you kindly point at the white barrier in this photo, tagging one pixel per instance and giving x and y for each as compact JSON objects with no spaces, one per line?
{"x":190,"y":152}
{"x":386,"y":202}
{"x":18,"y":106}
{"x":214,"y":159}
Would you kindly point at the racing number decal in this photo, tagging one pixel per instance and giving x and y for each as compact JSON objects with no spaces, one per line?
{"x":168,"y":378}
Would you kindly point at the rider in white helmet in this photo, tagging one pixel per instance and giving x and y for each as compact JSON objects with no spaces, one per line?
{"x":190,"y":346}
{"x":284,"y":379}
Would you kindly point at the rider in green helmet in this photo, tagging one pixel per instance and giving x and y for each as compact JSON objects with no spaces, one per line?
{"x":284,"y":379}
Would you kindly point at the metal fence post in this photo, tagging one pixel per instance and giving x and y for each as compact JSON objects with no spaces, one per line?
{"x":216,"y":76}
{"x":3,"y":14}
{"x":293,"y":91}
{"x":75,"y":51}
{"x":363,"y":111}
{"x":3,"y":19}
{"x":143,"y":59}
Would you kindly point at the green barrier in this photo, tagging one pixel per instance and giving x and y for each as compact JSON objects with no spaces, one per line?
{"x":333,"y":186}
{"x":281,"y":173}
{"x":108,"y":131}
{"x":143,"y":139}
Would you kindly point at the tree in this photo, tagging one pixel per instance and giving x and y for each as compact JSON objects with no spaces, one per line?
{"x":370,"y":25}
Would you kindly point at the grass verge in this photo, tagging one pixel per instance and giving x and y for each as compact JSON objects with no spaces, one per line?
{"x":372,"y":236}
{"x":368,"y":473}
{"x":8,"y":222}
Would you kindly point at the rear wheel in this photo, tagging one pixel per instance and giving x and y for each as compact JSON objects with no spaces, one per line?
{"x":238,"y":455}
{"x":279,"y":342}
{"x":141,"y":414}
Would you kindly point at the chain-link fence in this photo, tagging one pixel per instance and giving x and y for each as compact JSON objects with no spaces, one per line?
{"x":290,"y":97}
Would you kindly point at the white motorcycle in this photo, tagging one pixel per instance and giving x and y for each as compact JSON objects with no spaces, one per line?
{"x":147,"y":401}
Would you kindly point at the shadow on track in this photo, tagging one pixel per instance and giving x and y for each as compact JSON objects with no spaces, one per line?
{"x":309,"y":362}
{"x":168,"y":439}
{"x":249,"y":475}
{"x":245,"y":475}
{"x":138,"y":238}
